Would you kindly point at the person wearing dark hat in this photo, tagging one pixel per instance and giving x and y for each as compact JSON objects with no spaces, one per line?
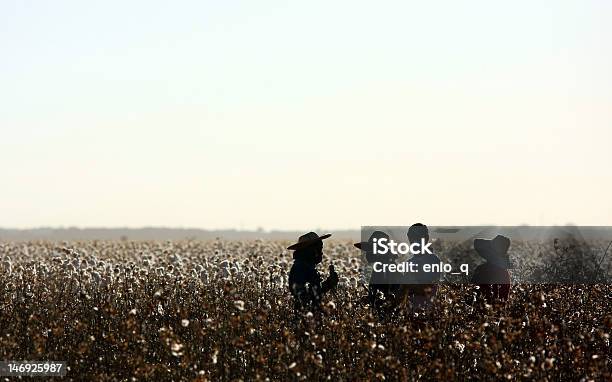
{"x":305,"y":282}
{"x":493,"y":277}
{"x":382,"y":290}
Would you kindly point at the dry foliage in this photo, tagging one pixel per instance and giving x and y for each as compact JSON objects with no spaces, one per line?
{"x":221,"y":311}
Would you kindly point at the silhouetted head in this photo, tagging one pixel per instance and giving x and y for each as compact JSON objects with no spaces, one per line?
{"x":312,"y":254}
{"x":495,"y":251}
{"x":368,"y":248}
{"x":418,"y":231}
{"x":309,"y":248}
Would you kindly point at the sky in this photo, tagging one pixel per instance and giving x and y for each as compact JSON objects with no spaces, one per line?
{"x":302,"y":115}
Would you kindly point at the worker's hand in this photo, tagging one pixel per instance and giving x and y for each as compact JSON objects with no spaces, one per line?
{"x":332,"y":280}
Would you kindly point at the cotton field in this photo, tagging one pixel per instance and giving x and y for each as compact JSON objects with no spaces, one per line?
{"x":220,"y":310}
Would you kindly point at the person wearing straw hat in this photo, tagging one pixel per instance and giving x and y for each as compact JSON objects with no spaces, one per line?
{"x":382,"y":290}
{"x":305,"y":282}
{"x":493,"y":277}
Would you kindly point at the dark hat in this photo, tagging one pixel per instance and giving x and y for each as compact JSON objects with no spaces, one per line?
{"x":307,"y":240}
{"x":364,"y":245}
{"x":494,"y":250}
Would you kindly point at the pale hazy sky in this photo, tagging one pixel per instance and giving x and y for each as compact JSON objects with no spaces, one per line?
{"x":296,"y":115}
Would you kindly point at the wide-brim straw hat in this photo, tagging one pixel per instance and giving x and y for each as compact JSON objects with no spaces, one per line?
{"x":307,"y":240}
{"x":494,"y":250}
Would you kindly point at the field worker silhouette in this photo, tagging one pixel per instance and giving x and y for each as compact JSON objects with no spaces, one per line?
{"x":304,"y":280}
{"x":493,"y":277}
{"x":383,"y":288}
{"x":420,"y":287}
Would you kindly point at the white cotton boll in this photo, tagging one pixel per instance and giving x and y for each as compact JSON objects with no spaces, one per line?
{"x":343,"y":282}
{"x":184,"y":323}
{"x":239,"y":304}
{"x":363,"y":278}
{"x":459,"y":346}
{"x":69,"y":268}
{"x":204,"y":277}
{"x":277,"y":280}
{"x":176,"y":349}
{"x":7,"y":266}
{"x":96,"y":277}
{"x":225,"y":272}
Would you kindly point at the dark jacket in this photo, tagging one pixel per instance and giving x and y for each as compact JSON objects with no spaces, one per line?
{"x":493,"y":282}
{"x":305,"y":284}
{"x":421,"y":287}
{"x":383,"y":288}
